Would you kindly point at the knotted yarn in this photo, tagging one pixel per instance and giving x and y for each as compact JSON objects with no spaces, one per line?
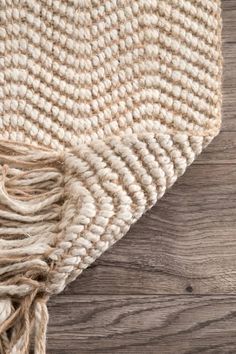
{"x":103,"y":105}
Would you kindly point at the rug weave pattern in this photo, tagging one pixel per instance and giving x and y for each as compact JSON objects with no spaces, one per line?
{"x":77,"y":71}
{"x":103,"y":105}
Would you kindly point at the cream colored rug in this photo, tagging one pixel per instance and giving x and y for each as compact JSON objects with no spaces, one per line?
{"x":103,"y":105}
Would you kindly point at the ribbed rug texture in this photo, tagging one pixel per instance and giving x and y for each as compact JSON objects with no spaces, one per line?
{"x":103,"y":105}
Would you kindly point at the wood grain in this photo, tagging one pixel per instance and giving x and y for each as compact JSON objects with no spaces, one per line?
{"x":221,"y":151}
{"x":229,"y":76}
{"x":142,"y":324}
{"x":169,"y":286}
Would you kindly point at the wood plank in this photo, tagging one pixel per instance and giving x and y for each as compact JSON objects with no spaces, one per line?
{"x":185,"y":243}
{"x":229,"y":74}
{"x":222,"y":150}
{"x":229,"y":87}
{"x":142,"y":324}
{"x":229,"y":25}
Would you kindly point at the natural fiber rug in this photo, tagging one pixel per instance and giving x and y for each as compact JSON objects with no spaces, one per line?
{"x":104,"y":104}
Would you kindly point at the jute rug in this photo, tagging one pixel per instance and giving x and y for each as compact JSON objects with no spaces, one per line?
{"x":103,"y":105}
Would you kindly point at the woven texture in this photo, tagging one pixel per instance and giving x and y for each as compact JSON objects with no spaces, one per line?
{"x":103,"y":105}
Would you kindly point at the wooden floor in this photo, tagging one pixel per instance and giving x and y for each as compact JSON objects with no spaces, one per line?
{"x":169,"y":286}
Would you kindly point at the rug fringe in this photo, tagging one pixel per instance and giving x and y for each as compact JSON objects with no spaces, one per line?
{"x":31,"y":194}
{"x":21,"y":325}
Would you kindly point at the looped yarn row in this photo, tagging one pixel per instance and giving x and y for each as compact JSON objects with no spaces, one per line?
{"x":103,"y":105}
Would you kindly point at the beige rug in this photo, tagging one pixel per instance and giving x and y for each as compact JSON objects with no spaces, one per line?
{"x":103,"y":105}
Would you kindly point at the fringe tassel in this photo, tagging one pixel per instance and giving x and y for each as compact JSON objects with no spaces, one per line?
{"x":31,"y":194}
{"x":22,"y":325}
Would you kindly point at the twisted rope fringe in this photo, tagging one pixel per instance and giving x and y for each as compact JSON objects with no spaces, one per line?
{"x":30,"y":317}
{"x":31,"y":188}
{"x":60,"y":211}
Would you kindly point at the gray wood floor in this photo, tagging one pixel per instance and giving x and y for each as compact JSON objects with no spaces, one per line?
{"x":169,"y":286}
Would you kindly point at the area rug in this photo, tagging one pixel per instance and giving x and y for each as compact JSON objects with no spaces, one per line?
{"x":103,"y":105}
